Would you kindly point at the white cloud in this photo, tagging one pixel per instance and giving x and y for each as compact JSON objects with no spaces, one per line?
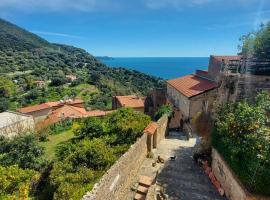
{"x":181,"y":4}
{"x":178,"y":4}
{"x":57,"y":34}
{"x":56,"y":5}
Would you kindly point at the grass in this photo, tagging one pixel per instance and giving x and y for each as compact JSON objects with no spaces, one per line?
{"x":54,"y":140}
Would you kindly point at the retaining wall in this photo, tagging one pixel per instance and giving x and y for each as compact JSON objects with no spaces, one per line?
{"x":232,"y":186}
{"x":117,"y":181}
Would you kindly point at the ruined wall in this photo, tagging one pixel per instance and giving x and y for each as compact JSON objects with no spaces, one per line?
{"x":119,"y":178}
{"x":154,"y":100}
{"x":214,"y":68}
{"x":233,"y":188}
{"x":235,"y":87}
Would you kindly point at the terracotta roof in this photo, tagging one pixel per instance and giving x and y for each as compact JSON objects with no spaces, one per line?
{"x":192,"y":85}
{"x":46,"y":105}
{"x":72,"y":112}
{"x":226,"y":58}
{"x":151,"y":128}
{"x":130,"y":101}
{"x":30,"y":109}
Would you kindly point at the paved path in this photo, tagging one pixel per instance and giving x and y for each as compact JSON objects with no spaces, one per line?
{"x":181,"y":179}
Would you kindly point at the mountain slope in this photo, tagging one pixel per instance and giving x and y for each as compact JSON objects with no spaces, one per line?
{"x":22,"y":51}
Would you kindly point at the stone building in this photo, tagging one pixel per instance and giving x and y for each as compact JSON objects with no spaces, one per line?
{"x":131,"y":101}
{"x":190,"y":95}
{"x":238,"y":78}
{"x":12,"y":124}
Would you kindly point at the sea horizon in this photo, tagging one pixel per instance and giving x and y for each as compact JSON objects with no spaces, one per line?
{"x":163,"y":67}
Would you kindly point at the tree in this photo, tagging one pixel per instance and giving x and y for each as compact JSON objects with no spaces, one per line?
{"x":241,"y":134}
{"x":7,"y":87}
{"x":23,"y":151}
{"x":127,"y":124}
{"x":91,"y":127}
{"x":257,"y":44}
{"x":94,"y":154}
{"x":17,"y":183}
{"x":3,"y":104}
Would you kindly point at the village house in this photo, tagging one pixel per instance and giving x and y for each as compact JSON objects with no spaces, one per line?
{"x":71,"y":78}
{"x":68,"y":111}
{"x":12,"y":123}
{"x":190,"y":95}
{"x":131,"y":101}
{"x":40,"y":84}
{"x":41,"y":111}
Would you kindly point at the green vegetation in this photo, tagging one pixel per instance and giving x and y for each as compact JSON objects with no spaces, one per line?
{"x":54,"y":140}
{"x":66,"y":167}
{"x":164,"y":109}
{"x":242,"y":136}
{"x":257,"y":44}
{"x":23,"y":151}
{"x":22,"y":52}
{"x":17,"y":183}
{"x":81,"y":161}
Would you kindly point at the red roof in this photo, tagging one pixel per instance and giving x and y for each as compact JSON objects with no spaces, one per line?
{"x":130,"y":101}
{"x":151,"y":128}
{"x":30,"y":109}
{"x":226,"y":58}
{"x":192,"y":85}
{"x":51,"y":104}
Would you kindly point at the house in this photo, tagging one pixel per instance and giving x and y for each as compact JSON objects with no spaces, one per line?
{"x":69,"y":112}
{"x":13,"y":123}
{"x":40,"y":84}
{"x":41,"y":111}
{"x":71,"y":78}
{"x":131,"y":101}
{"x":190,"y":95}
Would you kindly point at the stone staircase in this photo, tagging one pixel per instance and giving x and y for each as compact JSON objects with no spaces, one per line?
{"x":144,"y":183}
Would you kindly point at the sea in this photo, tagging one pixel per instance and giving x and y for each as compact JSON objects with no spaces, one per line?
{"x":163,"y":67}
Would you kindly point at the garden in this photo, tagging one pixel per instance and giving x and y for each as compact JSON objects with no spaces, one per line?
{"x":67,"y":163}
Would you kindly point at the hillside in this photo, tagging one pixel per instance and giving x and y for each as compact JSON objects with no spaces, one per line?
{"x":25,"y":58}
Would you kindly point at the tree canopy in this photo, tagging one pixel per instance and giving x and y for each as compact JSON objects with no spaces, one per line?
{"x":242,"y":135}
{"x":257,"y":44}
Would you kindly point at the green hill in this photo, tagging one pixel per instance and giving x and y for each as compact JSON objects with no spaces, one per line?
{"x":26,"y":57}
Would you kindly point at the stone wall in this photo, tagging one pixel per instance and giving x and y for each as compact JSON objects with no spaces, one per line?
{"x":119,"y":178}
{"x":235,"y":87}
{"x":234,"y":190}
{"x":162,"y":128}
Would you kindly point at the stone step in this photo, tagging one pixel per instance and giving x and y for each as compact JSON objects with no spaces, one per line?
{"x":145,"y":181}
{"x":142,"y":189}
{"x":139,"y":196}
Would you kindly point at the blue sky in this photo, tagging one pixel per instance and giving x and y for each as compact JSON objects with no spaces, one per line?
{"x":141,"y":27}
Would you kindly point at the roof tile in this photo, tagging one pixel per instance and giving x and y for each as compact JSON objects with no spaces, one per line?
{"x":130,"y":101}
{"x":192,"y":85}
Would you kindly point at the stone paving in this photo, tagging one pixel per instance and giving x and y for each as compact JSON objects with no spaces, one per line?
{"x":181,"y":179}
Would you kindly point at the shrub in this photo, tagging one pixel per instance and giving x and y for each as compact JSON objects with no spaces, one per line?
{"x":17,"y":183}
{"x":164,"y":109}
{"x":242,"y":137}
{"x":91,"y":127}
{"x":23,"y":151}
